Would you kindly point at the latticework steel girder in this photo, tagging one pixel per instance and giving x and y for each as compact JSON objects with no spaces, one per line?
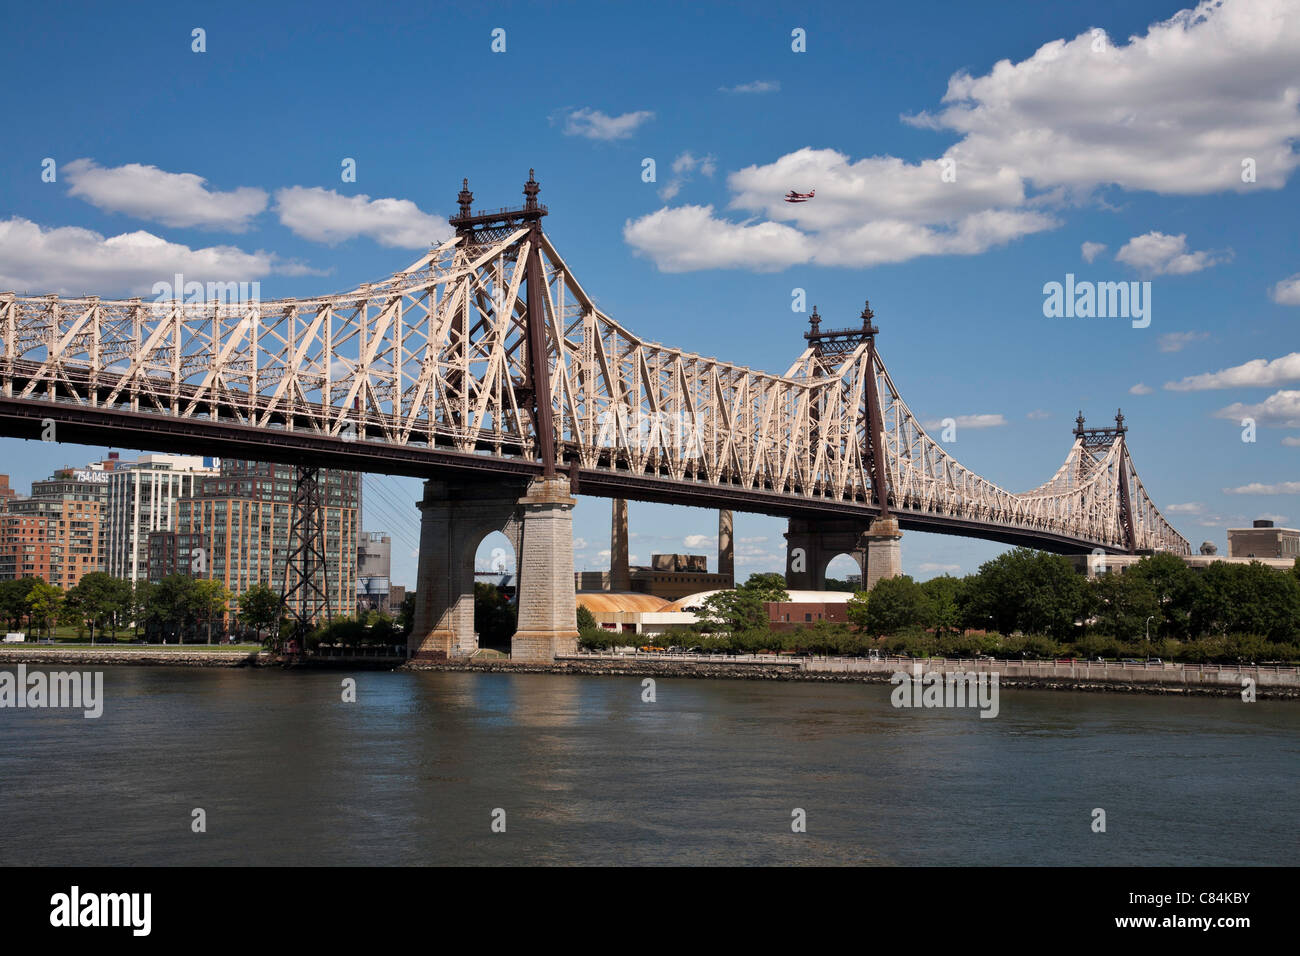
{"x":437,"y":356}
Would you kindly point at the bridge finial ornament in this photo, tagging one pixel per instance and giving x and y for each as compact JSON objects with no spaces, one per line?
{"x":1119,"y":420}
{"x":465,"y":199}
{"x":1078,"y":423}
{"x":814,"y":320}
{"x":867,"y":315}
{"x":531,"y":189}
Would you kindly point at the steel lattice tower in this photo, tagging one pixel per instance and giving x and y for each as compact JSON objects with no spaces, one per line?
{"x":306,"y":586}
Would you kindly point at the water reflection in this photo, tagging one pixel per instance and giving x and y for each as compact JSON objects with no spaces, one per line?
{"x":587,"y":771}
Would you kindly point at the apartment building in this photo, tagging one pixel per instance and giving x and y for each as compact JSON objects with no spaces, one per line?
{"x":141,"y":499}
{"x":234,"y":527}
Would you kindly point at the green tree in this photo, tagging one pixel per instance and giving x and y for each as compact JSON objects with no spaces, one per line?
{"x":943,"y":594}
{"x":406,"y":614}
{"x":142,"y":596}
{"x":1025,"y":590}
{"x":494,"y":615}
{"x":834,"y":584}
{"x":173,"y":606}
{"x":744,"y":609}
{"x":260,"y":608}
{"x":1246,"y":599}
{"x":99,"y":600}
{"x":211,"y":601}
{"x":13,"y":601}
{"x":380,"y":629}
{"x":590,"y":635}
{"x":44,"y":603}
{"x":1173,"y":585}
{"x":856,"y":610}
{"x":1122,"y":602}
{"x":896,"y":603}
{"x":766,"y":587}
{"x":734,"y":611}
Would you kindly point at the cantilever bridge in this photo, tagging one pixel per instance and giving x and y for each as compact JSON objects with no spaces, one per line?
{"x":486,"y":363}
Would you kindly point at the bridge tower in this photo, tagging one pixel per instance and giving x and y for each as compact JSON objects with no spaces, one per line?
{"x":536,"y":514}
{"x":1096,"y":443}
{"x":812,"y":544}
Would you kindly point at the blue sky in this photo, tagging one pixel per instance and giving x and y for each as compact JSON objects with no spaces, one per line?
{"x":1059,"y":136}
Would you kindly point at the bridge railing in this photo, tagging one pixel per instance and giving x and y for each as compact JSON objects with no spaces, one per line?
{"x":362,"y":650}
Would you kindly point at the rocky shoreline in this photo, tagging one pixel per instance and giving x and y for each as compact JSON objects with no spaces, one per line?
{"x":792,"y":672}
{"x":141,"y":657}
{"x":698,"y":670}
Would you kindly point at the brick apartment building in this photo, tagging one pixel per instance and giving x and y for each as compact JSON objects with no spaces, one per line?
{"x":234,"y":527}
{"x":58,"y":533}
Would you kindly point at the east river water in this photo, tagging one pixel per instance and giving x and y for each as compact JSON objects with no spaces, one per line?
{"x":582,"y":770}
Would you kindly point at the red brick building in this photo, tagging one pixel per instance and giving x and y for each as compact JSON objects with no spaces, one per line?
{"x":791,"y":615}
{"x":59,"y":533}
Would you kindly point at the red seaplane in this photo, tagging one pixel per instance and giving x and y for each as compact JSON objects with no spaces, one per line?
{"x":793,"y":196}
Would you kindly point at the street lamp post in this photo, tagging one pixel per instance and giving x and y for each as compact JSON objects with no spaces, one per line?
{"x":1149,"y":616}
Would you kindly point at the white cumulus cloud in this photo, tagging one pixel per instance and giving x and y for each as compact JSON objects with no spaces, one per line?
{"x":1091,"y":250}
{"x":173,"y":199}
{"x":1257,"y":373}
{"x":325,"y":215}
{"x":1287,"y":291}
{"x":684,"y":168}
{"x":1259,"y":488}
{"x":70,"y":260}
{"x":1177,"y":341}
{"x":1157,"y":254}
{"x":758,"y":86}
{"x":970,"y":421}
{"x":685,"y":238}
{"x":1279,"y":409}
{"x":1174,"y":110}
{"x":594,"y":124}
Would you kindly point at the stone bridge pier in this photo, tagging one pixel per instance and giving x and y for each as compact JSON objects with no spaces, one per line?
{"x":537,"y":517}
{"x":811,"y":545}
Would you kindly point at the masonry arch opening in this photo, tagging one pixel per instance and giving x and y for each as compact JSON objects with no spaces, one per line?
{"x":843,"y":572}
{"x":496,"y":592}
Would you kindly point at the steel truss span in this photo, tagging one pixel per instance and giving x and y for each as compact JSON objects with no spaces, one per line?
{"x":429,"y":373}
